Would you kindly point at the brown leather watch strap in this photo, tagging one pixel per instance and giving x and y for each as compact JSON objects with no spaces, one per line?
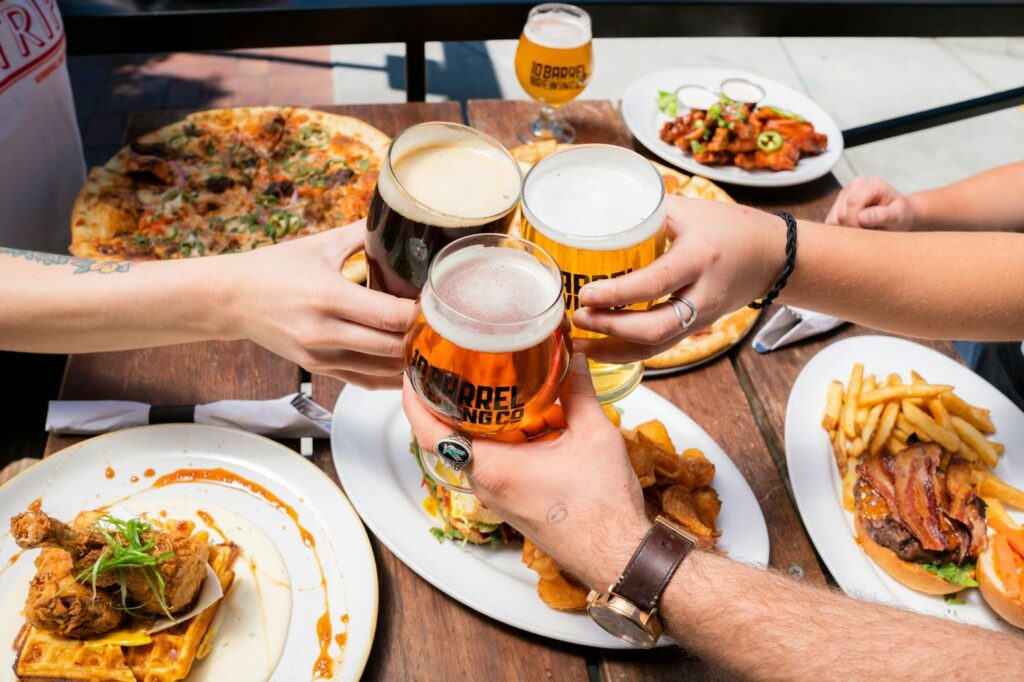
{"x":652,"y":565}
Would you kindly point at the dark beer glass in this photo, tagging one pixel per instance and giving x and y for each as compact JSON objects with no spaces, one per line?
{"x":439,"y":182}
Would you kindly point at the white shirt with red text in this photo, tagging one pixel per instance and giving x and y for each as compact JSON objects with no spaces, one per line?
{"x":41,"y":162}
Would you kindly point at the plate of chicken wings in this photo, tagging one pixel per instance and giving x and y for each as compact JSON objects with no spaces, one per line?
{"x":732,"y":126}
{"x":182,"y":552}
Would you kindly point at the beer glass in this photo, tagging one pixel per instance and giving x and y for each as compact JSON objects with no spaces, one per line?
{"x":490,"y":346}
{"x":553,"y":64}
{"x":438,"y":182}
{"x":599,"y":210}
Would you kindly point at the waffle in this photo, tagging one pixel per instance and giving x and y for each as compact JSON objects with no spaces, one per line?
{"x":44,"y":657}
{"x":169,"y":657}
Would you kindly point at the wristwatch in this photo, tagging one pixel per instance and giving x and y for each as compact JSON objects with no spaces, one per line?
{"x":629,"y":609}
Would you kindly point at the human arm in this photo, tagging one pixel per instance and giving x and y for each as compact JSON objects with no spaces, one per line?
{"x":290,"y":298}
{"x":933,"y":285}
{"x":988,"y":201}
{"x":578,"y":498}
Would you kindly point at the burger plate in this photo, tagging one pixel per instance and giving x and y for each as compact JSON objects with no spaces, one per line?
{"x":817,"y":486}
{"x":370,"y":441}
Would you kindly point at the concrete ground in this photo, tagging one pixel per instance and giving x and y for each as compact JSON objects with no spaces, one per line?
{"x":857,"y":80}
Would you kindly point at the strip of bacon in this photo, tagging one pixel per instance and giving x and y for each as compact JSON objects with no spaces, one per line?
{"x":964,"y":505}
{"x":915,"y":477}
{"x":877,"y":471}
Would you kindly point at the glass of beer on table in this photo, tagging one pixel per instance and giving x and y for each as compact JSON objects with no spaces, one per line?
{"x":490,"y":347}
{"x":599,"y":210}
{"x":553,"y":63}
{"x":439,"y":182}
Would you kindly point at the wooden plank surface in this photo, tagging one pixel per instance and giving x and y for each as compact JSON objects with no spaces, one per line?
{"x":421,"y":632}
{"x":711,"y":395}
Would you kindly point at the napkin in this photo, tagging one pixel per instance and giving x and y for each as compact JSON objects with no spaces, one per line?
{"x":792,"y":324}
{"x":293,"y":416}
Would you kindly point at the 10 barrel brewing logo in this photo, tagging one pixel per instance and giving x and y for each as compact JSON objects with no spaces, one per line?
{"x":463,"y":400}
{"x":548,"y":77}
{"x":572,"y":282}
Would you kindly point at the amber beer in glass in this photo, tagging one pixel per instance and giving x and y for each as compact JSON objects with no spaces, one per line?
{"x":599,"y":210}
{"x":553,"y":64}
{"x":490,"y":347}
{"x":439,"y":182}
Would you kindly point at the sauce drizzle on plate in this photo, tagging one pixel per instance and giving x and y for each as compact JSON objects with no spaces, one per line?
{"x":323,"y":667}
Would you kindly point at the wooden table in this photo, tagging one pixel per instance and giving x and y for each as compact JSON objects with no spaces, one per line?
{"x":421,"y":632}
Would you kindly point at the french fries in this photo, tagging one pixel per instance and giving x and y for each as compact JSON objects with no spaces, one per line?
{"x":993,"y":486}
{"x":833,"y":404}
{"x":901,"y":392}
{"x":870,"y":415}
{"x":977,"y":442}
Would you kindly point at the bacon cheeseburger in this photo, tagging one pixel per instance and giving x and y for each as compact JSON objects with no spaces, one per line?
{"x":918,"y":515}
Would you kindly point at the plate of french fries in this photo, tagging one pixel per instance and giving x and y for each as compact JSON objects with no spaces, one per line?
{"x":869,"y":395}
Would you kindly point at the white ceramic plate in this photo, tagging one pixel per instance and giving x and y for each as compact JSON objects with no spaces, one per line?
{"x":112,"y":470}
{"x":817,"y":486}
{"x":644,"y":120}
{"x":370,"y":441}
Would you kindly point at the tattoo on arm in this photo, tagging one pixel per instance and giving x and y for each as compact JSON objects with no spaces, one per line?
{"x":81,"y":265}
{"x":557,"y":513}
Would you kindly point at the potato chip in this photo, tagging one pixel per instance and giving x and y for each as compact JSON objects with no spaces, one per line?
{"x":538,"y":561}
{"x":641,"y":457}
{"x":563,"y":593}
{"x":655,"y":432}
{"x":679,"y":506}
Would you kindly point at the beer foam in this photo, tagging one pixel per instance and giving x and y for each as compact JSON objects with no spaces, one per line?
{"x":451,"y":177}
{"x":595,"y":197}
{"x":493,"y":300}
{"x":559,"y":30}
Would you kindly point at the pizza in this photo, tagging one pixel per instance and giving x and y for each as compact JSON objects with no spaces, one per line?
{"x":229,"y":180}
{"x":723,"y":332}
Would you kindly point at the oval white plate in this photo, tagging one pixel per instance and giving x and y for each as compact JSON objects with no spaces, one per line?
{"x":75,"y":479}
{"x":370,"y":441}
{"x":817,"y":486}
{"x":644,"y":120}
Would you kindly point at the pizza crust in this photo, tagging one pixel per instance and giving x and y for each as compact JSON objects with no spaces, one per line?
{"x":103,"y":208}
{"x":724,"y":332}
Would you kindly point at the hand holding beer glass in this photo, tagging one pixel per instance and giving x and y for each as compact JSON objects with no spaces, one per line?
{"x":490,"y":347}
{"x":599,"y":210}
{"x":553,"y":63}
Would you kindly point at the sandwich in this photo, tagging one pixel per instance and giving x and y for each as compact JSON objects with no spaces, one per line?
{"x":462,"y":517}
{"x":919,"y":517}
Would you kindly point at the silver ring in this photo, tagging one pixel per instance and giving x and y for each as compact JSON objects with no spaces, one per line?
{"x":456,"y":451}
{"x":684,"y":322}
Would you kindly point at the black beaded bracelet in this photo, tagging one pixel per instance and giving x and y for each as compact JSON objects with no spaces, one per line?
{"x":787,"y":268}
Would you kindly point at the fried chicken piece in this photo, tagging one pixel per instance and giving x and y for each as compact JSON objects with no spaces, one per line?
{"x":783,"y":158}
{"x":799,"y":133}
{"x":710,"y":158}
{"x":60,"y":604}
{"x":183,"y":572}
{"x":34,"y":528}
{"x":741,"y":138}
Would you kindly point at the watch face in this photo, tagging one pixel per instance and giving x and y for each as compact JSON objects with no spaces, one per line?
{"x":620,"y":626}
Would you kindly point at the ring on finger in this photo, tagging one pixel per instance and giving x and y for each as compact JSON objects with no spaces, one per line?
{"x":677,"y":305}
{"x":456,"y":451}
